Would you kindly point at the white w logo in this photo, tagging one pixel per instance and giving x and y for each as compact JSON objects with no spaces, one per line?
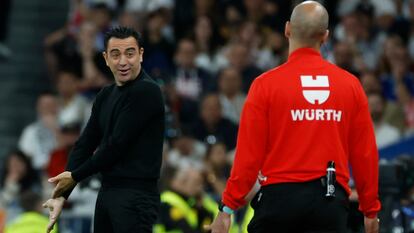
{"x":315,"y":90}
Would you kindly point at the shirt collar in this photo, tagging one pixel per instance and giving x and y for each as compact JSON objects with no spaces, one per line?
{"x":301,"y":52}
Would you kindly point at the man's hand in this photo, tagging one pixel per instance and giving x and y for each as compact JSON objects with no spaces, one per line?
{"x":55,"y":208}
{"x":64,"y":183}
{"x":371,"y":225}
{"x":221,"y":224}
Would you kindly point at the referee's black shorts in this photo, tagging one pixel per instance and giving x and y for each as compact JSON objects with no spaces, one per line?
{"x":299,"y":208}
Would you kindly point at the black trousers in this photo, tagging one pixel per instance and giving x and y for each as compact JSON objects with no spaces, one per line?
{"x":299,"y":208}
{"x":122,"y":210}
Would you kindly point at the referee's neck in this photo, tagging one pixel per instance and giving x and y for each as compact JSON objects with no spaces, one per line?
{"x":295,"y":46}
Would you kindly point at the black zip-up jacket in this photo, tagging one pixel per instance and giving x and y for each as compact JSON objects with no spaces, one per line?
{"x":123,"y":138}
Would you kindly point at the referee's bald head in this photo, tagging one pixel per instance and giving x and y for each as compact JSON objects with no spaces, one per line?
{"x":308,"y":23}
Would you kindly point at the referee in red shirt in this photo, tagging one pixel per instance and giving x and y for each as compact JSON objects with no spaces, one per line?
{"x":297,"y":118}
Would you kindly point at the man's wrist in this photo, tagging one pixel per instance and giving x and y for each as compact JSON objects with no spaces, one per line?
{"x":225,"y":209}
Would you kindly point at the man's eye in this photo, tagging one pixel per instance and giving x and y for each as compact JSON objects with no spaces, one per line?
{"x":114,"y":55}
{"x":130,"y":54}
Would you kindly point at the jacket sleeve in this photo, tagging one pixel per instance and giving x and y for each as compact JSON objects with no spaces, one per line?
{"x":142,"y":104}
{"x":364,"y":156}
{"x":251,"y":147}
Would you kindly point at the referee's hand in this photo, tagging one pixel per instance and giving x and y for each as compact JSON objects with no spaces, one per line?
{"x":221,"y":224}
{"x":371,"y":225}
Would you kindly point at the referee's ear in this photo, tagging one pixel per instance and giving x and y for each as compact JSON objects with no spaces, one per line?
{"x":325,"y":36}
{"x":287,"y":29}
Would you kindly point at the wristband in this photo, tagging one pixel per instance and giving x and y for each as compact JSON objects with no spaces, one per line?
{"x":225,"y":209}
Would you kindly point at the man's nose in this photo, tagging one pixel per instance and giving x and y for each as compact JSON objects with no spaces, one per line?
{"x":123,"y":60}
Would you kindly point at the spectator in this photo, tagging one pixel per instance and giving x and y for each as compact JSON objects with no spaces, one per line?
{"x":186,"y":151}
{"x":240,"y":57}
{"x":181,"y":109}
{"x":17,"y":177}
{"x":344,"y":55}
{"x":185,"y":207}
{"x":391,"y":44}
{"x":253,"y":37}
{"x":385,"y":14}
{"x":211,"y":127}
{"x":255,"y":10}
{"x":144,"y":6}
{"x":129,"y":18}
{"x":369,"y":40}
{"x":187,"y":11}
{"x":218,"y":166}
{"x":100,"y":15}
{"x":39,"y":138}
{"x":230,"y":93}
{"x":189,"y":80}
{"x":31,"y":220}
{"x":78,"y":51}
{"x":207,"y":42}
{"x":385,"y":134}
{"x":73,"y":107}
{"x":393,"y":112}
{"x":406,"y":100}
{"x":67,"y":136}
{"x":158,"y":49}
{"x":399,"y":74}
{"x":89,"y":59}
{"x":233,"y":18}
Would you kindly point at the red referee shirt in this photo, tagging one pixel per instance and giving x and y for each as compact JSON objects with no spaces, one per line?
{"x":296,"y":118}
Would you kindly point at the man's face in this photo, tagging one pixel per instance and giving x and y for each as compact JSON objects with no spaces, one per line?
{"x":239,"y":56}
{"x":186,"y":54}
{"x":376,"y":107}
{"x":67,"y":84}
{"x":124,"y":59}
{"x":47,"y":105}
{"x":194,"y":183}
{"x":211,"y":110}
{"x":342,"y":54}
{"x":230,"y":82}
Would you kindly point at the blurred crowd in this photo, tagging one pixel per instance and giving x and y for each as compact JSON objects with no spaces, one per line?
{"x":204,"y":54}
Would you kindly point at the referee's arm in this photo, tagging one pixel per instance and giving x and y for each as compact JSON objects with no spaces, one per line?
{"x":364,"y":157}
{"x":251,"y":147}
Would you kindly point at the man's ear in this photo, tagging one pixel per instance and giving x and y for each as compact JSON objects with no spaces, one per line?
{"x":141,"y":54}
{"x":105,"y":56}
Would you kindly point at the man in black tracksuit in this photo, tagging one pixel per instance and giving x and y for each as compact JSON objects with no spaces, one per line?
{"x":126,"y":129}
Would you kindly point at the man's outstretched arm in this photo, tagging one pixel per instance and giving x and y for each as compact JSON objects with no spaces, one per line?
{"x":84,"y":146}
{"x":143,"y":104}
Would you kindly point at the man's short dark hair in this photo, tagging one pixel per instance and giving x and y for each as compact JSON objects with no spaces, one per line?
{"x":29,"y":201}
{"x":122,"y":33}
